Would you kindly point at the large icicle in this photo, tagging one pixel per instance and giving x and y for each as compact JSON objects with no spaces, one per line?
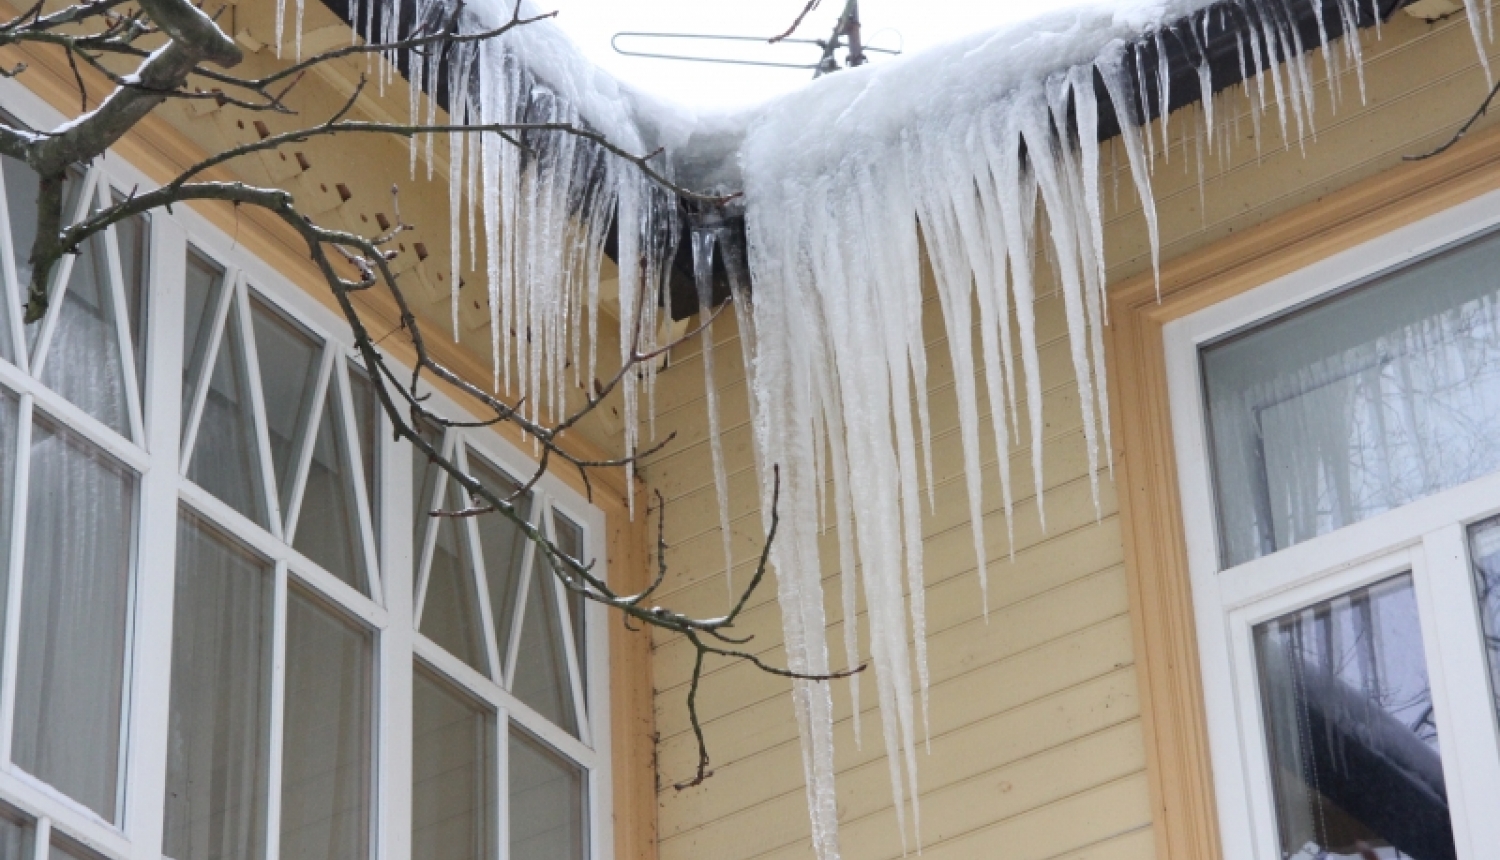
{"x":703,"y":276}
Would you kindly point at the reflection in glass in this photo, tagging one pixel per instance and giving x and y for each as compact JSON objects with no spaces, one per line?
{"x":22,"y":186}
{"x":424,"y":481}
{"x":326,"y":774}
{"x":569,"y":540}
{"x":328,"y":528}
{"x":1350,"y":729}
{"x":1357,"y":405}
{"x":218,"y":745}
{"x":226,"y":459}
{"x":367,"y":423}
{"x":504,"y":549}
{"x":450,"y":611}
{"x":288,"y":357}
{"x":546,"y":803}
{"x":542,"y":679}
{"x":84,"y":361}
{"x":205,"y":283}
{"x":453,"y":773}
{"x":1484,"y":549}
{"x":75,"y":599}
{"x":133,"y":235}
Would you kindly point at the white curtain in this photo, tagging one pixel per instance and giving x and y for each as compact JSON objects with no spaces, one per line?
{"x":453,"y":767}
{"x":76,"y":583}
{"x":1358,"y":405}
{"x":220,"y":701}
{"x":547,"y":818}
{"x":325,"y":777}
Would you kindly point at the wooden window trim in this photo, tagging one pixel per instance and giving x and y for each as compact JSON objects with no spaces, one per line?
{"x":1184,"y":811}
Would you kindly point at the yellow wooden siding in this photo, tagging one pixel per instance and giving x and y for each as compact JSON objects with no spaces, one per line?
{"x":1036,"y":740}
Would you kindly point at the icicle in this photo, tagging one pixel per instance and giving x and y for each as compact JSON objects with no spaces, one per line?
{"x":1352,"y":40}
{"x":1049,"y":166}
{"x":1475,"y":14}
{"x":703,"y":275}
{"x":1163,"y":94}
{"x":1091,"y":222}
{"x":1112,"y":71}
{"x":1143,"y":105}
{"x":455,"y":234}
{"x":491,"y":110}
{"x":298,"y":30}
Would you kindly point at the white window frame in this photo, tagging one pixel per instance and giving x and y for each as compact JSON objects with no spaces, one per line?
{"x":163,"y":490}
{"x":1426,"y":538}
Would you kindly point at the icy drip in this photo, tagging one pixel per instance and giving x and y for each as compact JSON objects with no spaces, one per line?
{"x":703,"y":277}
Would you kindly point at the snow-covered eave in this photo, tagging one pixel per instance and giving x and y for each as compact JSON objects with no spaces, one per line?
{"x":1213,"y":34}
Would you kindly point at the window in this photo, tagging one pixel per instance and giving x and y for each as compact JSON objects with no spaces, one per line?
{"x":1339,"y":460}
{"x":229,"y":627}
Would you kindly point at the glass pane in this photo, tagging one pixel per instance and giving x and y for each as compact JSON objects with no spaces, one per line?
{"x":289,"y":378}
{"x":74,"y":616}
{"x":134,"y":237}
{"x":226,"y":459}
{"x":453,"y":774}
{"x":570,"y":541}
{"x":450,"y":612}
{"x":22,"y":186}
{"x":541,"y":663}
{"x":326,"y":771}
{"x":84,"y":362}
{"x":547,"y":819}
{"x":219,"y":721}
{"x":1484,"y":548}
{"x":367,"y":423}
{"x":205,"y":282}
{"x":1357,"y":405}
{"x":328,"y":530}
{"x":15,"y":834}
{"x":424,"y":484}
{"x":1350,"y":728}
{"x":504,"y":549}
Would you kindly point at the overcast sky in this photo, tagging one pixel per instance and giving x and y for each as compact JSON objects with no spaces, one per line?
{"x":887,"y":23}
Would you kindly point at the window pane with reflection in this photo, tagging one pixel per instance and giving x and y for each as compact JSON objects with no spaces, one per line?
{"x":1358,"y":404}
{"x":1484,"y":549}
{"x":1350,"y":729}
{"x":74,"y":601}
{"x":218,"y":746}
{"x":326,"y":761}
{"x":453,"y":773}
{"x":546,"y":803}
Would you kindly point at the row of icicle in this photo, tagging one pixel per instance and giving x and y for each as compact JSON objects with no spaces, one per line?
{"x":833,"y":341}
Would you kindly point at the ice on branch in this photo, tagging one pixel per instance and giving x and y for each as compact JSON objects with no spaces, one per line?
{"x":990,"y":144}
